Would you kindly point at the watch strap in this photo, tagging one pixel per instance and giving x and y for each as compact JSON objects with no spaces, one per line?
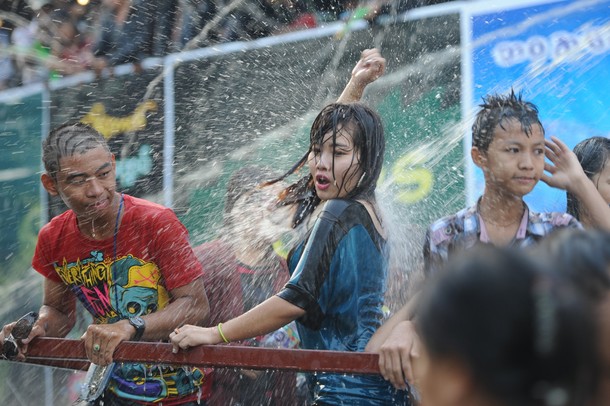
{"x":138,"y":323}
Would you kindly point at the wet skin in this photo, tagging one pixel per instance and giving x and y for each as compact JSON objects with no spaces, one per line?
{"x":87,"y":184}
{"x":514,"y":161}
{"x":335,"y":167}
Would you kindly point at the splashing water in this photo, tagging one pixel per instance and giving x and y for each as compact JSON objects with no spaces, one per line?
{"x":256,"y":106}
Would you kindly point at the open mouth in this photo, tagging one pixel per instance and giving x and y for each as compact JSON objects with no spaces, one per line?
{"x":322,"y":180}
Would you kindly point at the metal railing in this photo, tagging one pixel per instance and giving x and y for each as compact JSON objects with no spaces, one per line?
{"x":66,"y":353}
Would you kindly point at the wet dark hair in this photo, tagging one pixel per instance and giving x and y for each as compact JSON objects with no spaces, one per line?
{"x":593,"y":154}
{"x":366,"y":129}
{"x":524,"y":334}
{"x":67,"y":140}
{"x":498,"y":108}
{"x":582,"y":256}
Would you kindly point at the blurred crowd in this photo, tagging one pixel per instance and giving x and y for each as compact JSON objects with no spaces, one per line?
{"x":44,"y":39}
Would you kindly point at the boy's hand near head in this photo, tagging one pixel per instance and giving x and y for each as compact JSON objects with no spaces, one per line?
{"x":564,"y":170}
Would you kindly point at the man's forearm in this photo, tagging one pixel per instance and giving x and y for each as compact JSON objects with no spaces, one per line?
{"x":189,"y":306}
{"x":54,"y":322}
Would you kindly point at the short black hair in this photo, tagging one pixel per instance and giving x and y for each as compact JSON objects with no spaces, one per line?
{"x":67,"y":140}
{"x":582,"y":256}
{"x":497,"y":108}
{"x":521,"y":331}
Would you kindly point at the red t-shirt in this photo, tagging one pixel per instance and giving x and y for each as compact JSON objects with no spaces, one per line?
{"x":152,"y":251}
{"x":124,"y":276}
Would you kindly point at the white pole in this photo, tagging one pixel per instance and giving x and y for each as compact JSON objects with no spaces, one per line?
{"x":168,"y":139}
{"x":48,"y":386}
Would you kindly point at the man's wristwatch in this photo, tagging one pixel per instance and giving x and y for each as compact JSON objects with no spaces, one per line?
{"x":138,"y":323}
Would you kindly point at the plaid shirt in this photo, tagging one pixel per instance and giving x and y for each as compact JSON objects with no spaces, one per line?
{"x":464,"y":229}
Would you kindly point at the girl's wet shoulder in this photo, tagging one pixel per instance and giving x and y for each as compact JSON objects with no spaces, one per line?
{"x":345,"y":210}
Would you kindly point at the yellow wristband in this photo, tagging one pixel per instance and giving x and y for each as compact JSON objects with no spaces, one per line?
{"x":219,"y":327}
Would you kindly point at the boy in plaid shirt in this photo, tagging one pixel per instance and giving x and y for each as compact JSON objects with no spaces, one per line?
{"x":508,"y":145}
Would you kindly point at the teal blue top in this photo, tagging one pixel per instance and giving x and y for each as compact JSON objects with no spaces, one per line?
{"x":338,"y":276}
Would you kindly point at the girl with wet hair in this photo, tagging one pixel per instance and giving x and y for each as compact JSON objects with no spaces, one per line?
{"x":338,"y":272}
{"x":594,"y":157}
{"x":499,"y":330}
{"x":585,"y":176}
{"x":366,"y":130}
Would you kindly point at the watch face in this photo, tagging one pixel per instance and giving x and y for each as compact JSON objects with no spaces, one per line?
{"x":137,"y":322}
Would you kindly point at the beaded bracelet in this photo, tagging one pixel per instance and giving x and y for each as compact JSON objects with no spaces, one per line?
{"x":219,"y":327}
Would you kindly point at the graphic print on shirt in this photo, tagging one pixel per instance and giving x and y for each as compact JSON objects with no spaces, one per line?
{"x":114,"y":290}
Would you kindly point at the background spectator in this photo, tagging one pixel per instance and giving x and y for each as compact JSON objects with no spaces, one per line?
{"x":45,"y":38}
{"x":6,"y":63}
{"x":195,"y":15}
{"x":32,"y":42}
{"x":71,"y":52}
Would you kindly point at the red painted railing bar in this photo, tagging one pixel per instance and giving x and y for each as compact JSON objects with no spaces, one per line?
{"x":45,"y":349}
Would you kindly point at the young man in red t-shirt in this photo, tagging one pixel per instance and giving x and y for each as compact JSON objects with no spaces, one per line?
{"x":127,"y":260}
